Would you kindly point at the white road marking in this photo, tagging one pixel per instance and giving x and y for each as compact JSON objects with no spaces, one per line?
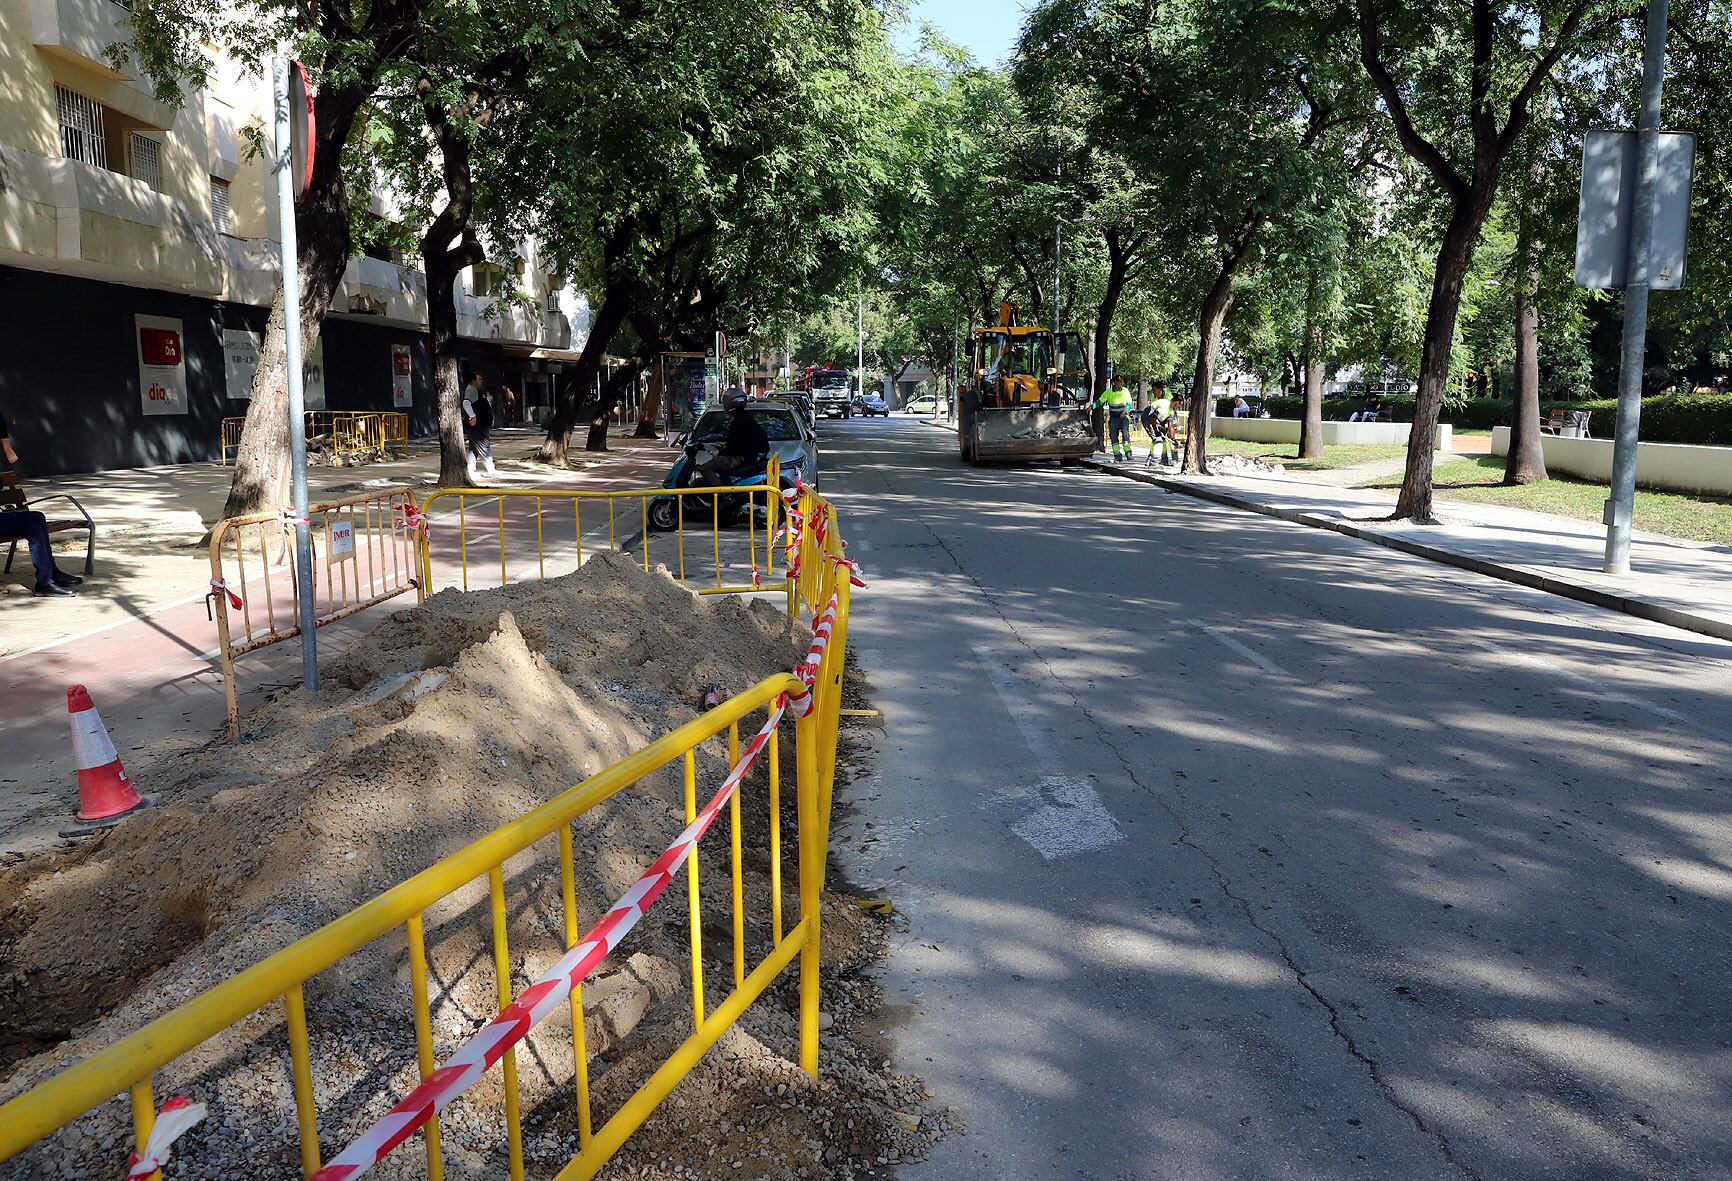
{"x":1072,"y":820}
{"x":1599,"y":688}
{"x":1267,"y":666}
{"x":1068,"y":817}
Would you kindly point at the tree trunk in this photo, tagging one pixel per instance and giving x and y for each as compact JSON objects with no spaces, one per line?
{"x":1118,"y":271}
{"x":612,"y":388}
{"x":1311,"y":416}
{"x":1209,"y":324}
{"x":447,"y":380}
{"x":649,"y":411}
{"x":448,"y":246}
{"x":1454,"y":257}
{"x":261,"y":477}
{"x":1526,"y":463}
{"x":1527,"y":458}
{"x":574,"y":395}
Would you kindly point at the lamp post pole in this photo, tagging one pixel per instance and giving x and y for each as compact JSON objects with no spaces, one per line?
{"x":292,"y":358}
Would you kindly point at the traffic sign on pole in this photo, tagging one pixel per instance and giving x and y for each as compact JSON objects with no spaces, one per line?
{"x":1608,"y":209}
{"x":301,"y":144}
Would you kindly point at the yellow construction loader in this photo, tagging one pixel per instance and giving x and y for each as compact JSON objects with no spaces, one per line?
{"x":1027,"y":394}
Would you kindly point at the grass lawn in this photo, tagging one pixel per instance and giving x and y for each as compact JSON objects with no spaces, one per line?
{"x":1287,"y":454}
{"x":1676,"y":514}
{"x":1473,"y":432}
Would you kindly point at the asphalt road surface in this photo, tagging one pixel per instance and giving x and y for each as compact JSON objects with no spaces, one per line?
{"x":1226,"y":848}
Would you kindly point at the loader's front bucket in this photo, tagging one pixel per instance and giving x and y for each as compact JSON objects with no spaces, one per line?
{"x":1038,"y":432}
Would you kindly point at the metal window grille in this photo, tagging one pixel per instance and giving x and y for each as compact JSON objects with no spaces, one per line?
{"x":81,"y":135}
{"x":219,"y":204}
{"x":145,"y":159}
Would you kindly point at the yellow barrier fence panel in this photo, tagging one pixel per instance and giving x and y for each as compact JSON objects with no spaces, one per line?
{"x":253,"y":596}
{"x":129,"y":1064}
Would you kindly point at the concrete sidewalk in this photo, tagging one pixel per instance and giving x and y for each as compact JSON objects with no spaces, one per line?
{"x":140,"y":638}
{"x":1683,"y":584}
{"x":149,"y":523}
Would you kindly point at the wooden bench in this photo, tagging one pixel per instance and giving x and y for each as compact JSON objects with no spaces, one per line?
{"x":12,"y":500}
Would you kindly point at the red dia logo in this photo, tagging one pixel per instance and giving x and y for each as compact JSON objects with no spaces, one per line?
{"x":157,"y":393}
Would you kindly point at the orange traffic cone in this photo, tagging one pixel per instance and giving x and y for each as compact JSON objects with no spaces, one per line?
{"x":104,"y":791}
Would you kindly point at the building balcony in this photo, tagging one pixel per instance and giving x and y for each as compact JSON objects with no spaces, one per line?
{"x":81,"y":30}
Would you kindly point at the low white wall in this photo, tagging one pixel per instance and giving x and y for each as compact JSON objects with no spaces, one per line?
{"x":1675,"y":467}
{"x":1286,"y":430}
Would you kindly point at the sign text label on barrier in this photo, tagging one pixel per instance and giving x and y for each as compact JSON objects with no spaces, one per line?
{"x":342,"y":539}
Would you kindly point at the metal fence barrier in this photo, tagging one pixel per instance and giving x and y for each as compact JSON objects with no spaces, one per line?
{"x":128,"y":1065}
{"x":364,"y":552}
{"x":354,"y":435}
{"x":530,"y":531}
{"x":230,"y":440}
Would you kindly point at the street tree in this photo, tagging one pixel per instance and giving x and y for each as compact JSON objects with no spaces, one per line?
{"x":353,"y":49}
{"x":1458,"y":85}
{"x":1219,"y":103}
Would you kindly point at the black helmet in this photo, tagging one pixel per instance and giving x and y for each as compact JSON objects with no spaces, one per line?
{"x":734,"y":398}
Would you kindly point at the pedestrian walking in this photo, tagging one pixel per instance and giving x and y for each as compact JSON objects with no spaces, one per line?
{"x":1159,"y":421}
{"x":1118,"y":402}
{"x":478,"y":426}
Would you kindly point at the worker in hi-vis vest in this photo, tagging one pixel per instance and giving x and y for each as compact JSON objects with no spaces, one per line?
{"x":1118,"y":402}
{"x":1159,"y":422}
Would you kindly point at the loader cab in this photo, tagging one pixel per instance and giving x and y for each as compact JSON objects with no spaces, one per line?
{"x":1029,"y":366}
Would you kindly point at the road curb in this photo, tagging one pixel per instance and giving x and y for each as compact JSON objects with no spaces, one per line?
{"x":1640,"y":608}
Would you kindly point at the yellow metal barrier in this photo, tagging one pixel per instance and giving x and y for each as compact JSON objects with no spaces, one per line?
{"x":230,"y":439}
{"x":128,"y":1065}
{"x":355,"y":435}
{"x":363,"y":554}
{"x":554,"y":524}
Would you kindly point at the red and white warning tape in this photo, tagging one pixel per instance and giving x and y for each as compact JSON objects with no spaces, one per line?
{"x":801,"y":702}
{"x":847,"y":564}
{"x":176,"y":1116}
{"x":412,"y":519}
{"x":291,"y":517}
{"x":219,"y":587}
{"x":476,"y":1056}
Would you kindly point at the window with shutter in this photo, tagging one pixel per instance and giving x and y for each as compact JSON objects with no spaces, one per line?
{"x":145,"y":160}
{"x":219,"y":204}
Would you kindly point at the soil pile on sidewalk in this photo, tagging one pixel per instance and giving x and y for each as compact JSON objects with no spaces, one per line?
{"x":455,"y":718}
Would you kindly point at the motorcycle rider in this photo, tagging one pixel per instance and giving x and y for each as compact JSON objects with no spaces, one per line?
{"x":746,"y":445}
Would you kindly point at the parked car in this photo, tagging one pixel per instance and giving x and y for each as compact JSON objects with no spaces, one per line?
{"x":802,"y":404}
{"x":873,"y":404}
{"x":924,"y":404}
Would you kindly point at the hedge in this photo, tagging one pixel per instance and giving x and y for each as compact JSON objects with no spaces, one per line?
{"x":1672,"y":418}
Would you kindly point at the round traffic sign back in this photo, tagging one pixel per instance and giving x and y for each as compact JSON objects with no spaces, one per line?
{"x":300,"y":128}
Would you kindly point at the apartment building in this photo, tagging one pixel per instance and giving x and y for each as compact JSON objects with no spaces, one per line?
{"x":138,"y":262}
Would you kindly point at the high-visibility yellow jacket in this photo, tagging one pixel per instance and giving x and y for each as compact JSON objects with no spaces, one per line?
{"x":1116,"y":400}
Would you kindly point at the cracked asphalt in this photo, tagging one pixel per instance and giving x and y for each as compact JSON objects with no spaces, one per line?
{"x":1226,"y":848}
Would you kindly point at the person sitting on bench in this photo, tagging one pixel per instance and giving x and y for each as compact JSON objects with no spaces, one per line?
{"x":33,"y":528}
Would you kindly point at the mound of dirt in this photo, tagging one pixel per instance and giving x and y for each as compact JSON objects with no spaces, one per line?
{"x":455,"y":717}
